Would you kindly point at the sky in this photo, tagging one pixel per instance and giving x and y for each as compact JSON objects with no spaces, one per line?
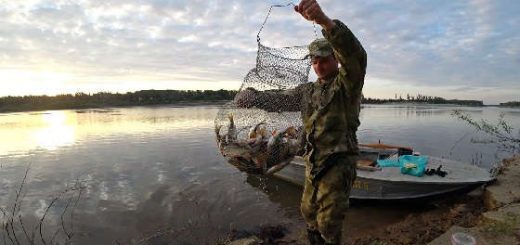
{"x":453,"y":49}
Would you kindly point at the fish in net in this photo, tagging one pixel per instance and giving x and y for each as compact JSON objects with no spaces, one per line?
{"x":264,"y":134}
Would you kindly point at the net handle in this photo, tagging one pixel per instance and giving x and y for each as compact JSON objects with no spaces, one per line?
{"x":269,"y":13}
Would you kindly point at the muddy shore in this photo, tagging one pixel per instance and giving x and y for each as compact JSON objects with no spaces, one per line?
{"x":490,"y":214}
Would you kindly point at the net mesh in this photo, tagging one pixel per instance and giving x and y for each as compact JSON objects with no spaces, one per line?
{"x":256,"y":139}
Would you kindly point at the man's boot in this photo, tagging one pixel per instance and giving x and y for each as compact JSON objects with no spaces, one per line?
{"x":314,"y":237}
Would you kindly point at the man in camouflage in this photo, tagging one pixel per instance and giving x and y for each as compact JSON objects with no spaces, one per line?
{"x":330,"y":112}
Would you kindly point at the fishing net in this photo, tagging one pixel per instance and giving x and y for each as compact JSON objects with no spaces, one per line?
{"x":263,"y":136}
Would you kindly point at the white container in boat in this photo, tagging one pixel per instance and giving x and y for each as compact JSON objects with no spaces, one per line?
{"x":416,"y":153}
{"x":461,"y":238}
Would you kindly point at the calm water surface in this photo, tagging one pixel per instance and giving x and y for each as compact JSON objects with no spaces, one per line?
{"x":147,"y":175}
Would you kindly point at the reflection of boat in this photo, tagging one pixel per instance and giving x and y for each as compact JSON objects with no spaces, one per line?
{"x":278,"y":191}
{"x":389,"y":183}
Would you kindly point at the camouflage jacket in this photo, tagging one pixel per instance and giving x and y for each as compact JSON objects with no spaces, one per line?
{"x":330,"y":109}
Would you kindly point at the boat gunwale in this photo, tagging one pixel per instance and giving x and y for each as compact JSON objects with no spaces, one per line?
{"x":490,"y":178}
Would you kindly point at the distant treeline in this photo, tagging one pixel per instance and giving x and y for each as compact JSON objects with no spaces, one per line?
{"x":105,"y":99}
{"x":511,"y":104}
{"x":157,"y":97}
{"x":422,"y":99}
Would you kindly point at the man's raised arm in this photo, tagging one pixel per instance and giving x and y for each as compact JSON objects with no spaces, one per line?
{"x":349,"y":52}
{"x":347,"y":48}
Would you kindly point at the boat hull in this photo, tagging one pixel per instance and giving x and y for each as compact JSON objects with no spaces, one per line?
{"x":373,"y":185}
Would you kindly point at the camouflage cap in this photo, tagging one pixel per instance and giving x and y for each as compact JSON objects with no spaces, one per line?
{"x":320,"y":47}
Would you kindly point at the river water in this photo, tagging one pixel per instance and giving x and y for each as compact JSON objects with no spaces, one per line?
{"x":147,"y":175}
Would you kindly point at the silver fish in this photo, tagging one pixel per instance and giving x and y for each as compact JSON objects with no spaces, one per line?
{"x":232,"y":132}
{"x":278,"y":148}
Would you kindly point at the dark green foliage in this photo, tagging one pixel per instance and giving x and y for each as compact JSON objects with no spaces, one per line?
{"x":511,"y":104}
{"x":103,"y":99}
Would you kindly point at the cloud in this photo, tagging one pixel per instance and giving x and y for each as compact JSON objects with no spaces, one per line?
{"x":442,"y":43}
{"x":456,"y":44}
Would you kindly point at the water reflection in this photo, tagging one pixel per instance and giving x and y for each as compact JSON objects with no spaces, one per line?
{"x":25,"y":133}
{"x":60,"y":130}
{"x":50,"y":130}
{"x":285,"y":194}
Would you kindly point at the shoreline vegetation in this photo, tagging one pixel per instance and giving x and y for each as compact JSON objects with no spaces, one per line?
{"x":161,"y":97}
{"x":423,"y":99}
{"x":511,"y":104}
{"x":105,"y":99}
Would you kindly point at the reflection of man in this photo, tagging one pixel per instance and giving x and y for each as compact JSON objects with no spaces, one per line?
{"x":330,"y":112}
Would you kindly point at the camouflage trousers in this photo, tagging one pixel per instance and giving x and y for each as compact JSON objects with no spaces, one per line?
{"x":324,"y":204}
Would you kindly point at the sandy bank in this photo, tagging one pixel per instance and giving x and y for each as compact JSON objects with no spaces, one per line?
{"x":500,"y":223}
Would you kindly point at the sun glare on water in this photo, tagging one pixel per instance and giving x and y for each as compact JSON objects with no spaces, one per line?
{"x":59,"y":131}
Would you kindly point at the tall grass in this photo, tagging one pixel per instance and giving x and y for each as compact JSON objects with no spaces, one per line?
{"x":18,"y":229}
{"x":500,"y":133}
